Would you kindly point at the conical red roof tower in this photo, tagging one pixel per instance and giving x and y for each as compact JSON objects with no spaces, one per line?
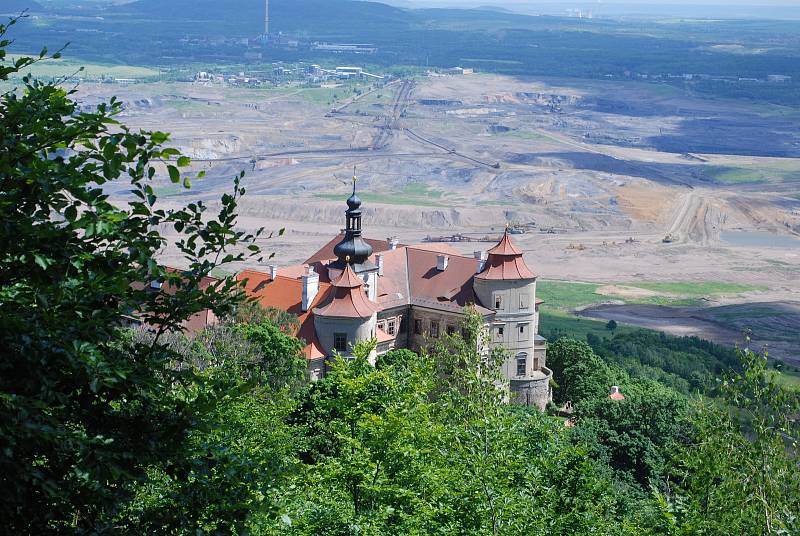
{"x":348,"y":298}
{"x":505,"y":262}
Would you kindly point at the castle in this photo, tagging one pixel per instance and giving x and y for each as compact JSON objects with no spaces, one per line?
{"x":403,"y":296}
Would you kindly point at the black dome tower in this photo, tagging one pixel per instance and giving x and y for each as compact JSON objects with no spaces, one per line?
{"x":352,"y":245}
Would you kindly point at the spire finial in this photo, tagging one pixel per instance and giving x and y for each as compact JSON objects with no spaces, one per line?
{"x":355,"y":179}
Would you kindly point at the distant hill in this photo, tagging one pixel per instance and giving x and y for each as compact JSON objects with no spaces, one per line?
{"x":317,"y":17}
{"x":12,"y":7}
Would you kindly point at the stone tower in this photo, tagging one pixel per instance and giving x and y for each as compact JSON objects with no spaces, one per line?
{"x":347,"y":316}
{"x":507,"y":286}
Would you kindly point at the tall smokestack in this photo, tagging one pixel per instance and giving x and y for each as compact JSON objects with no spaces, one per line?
{"x":266,"y":18}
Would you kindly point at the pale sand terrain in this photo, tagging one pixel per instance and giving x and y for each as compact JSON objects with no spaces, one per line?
{"x":582,"y":166}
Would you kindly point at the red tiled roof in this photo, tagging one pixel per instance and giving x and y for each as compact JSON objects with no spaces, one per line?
{"x":505,"y":247}
{"x":348,"y":299}
{"x":450,"y":289}
{"x":505,"y":262}
{"x":326,"y":253}
{"x":348,"y":279}
{"x":287,"y":293}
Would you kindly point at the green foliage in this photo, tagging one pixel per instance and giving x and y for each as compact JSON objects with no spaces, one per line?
{"x":683,"y":363}
{"x":85,"y":411}
{"x":577,"y":372}
{"x":425,"y":444}
{"x":279,"y":356}
{"x":634,"y":435}
{"x":739,"y":473}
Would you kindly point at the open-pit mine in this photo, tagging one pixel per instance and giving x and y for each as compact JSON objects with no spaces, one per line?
{"x":632,"y":186}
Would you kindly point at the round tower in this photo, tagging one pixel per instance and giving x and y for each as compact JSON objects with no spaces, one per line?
{"x":347,"y":316}
{"x":507,"y":286}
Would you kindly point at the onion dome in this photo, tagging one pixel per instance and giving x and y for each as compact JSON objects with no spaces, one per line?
{"x":348,"y":299}
{"x":505,"y":262}
{"x":352,"y":245}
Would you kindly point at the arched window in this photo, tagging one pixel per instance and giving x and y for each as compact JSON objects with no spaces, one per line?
{"x":522,"y":364}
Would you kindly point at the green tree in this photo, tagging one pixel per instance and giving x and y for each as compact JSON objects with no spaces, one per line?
{"x":635,"y":435}
{"x":578,"y":373}
{"x":367,"y":435}
{"x":739,"y":474}
{"x":84,"y":411}
{"x":241,"y":452}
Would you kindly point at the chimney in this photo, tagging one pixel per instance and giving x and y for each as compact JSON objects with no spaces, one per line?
{"x":266,"y":18}
{"x":273,"y":272}
{"x":481,"y":261}
{"x":310,"y":287}
{"x":379,"y":262}
{"x":393,"y":242}
{"x":441,"y":262}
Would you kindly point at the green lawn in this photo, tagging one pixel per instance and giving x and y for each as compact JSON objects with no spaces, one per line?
{"x":567,"y":295}
{"x":693,"y":289}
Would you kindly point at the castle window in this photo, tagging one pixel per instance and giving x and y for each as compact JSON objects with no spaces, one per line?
{"x":522,"y":364}
{"x":390,"y":326}
{"x":500,"y":331}
{"x":434,"y":328}
{"x":417,"y":327}
{"x":523,"y":332}
{"x":524,"y":302}
{"x":382,"y":325}
{"x":340,"y":342}
{"x":498,"y":301}
{"x":451,"y":330}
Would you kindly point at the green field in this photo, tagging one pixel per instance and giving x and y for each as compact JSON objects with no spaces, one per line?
{"x":529,"y":135}
{"x":49,"y":68}
{"x":568,"y":295}
{"x":415,"y":194}
{"x":786,"y":171}
{"x":558,"y":323}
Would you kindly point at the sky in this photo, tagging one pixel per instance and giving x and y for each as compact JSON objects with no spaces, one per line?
{"x":772,"y":9}
{"x":510,"y":4}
